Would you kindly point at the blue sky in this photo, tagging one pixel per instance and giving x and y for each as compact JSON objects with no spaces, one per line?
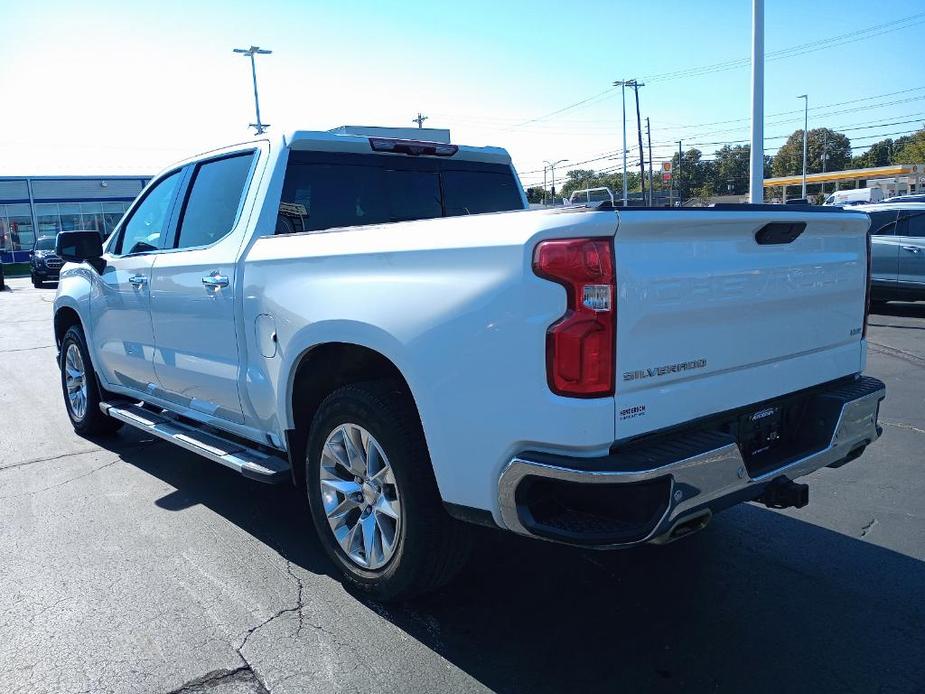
{"x":126,"y":87}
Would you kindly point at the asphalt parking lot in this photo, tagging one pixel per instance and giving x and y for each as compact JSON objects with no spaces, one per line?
{"x":129,"y":566}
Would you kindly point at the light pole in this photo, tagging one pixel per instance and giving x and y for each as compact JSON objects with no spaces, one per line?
{"x":552,"y":169}
{"x":805,"y":98}
{"x":756,"y":159}
{"x":251,"y":52}
{"x":622,"y":84}
{"x":825,"y":155}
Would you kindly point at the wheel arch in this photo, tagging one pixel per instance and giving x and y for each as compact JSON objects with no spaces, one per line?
{"x":65,"y":317}
{"x":318,"y":372}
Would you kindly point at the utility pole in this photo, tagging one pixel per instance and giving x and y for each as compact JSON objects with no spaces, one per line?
{"x":251,"y":52}
{"x":544,"y":185}
{"x":805,"y":98}
{"x":680,"y":158}
{"x":552,"y":169}
{"x":622,"y":84}
{"x":756,"y":163}
{"x":642,"y":164}
{"x":649,"y":136}
{"x":419,"y":120}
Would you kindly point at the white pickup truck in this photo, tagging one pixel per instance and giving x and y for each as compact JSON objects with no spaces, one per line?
{"x":382,"y":323}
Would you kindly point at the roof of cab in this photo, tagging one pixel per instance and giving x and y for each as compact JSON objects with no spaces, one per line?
{"x":320,"y":141}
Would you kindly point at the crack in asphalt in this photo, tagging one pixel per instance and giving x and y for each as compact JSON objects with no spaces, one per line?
{"x":25,"y":349}
{"x":216,"y":678}
{"x":67,"y":481}
{"x":46,"y":460}
{"x":867,"y":528}
{"x":900,"y":425}
{"x":898,"y":353}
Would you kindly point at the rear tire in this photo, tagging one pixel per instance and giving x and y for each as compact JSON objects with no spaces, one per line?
{"x":428,"y":547}
{"x":80,"y":388}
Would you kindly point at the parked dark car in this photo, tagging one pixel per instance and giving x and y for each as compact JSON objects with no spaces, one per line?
{"x":2,"y":281}
{"x":45,"y":264}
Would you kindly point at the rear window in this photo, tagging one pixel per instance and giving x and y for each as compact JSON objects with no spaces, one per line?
{"x":326,"y":190}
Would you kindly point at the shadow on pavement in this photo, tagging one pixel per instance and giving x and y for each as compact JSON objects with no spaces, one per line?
{"x":899,"y":309}
{"x":759,"y":601}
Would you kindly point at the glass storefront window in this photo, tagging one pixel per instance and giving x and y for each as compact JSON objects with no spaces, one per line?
{"x":21,"y":233}
{"x":48,"y":220}
{"x":6,"y":244}
{"x":91,"y":216}
{"x":112,"y":213}
{"x":70,"y":216}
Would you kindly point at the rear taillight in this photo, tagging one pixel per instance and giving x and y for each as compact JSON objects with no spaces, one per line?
{"x":580,"y":359}
{"x":867,"y":293}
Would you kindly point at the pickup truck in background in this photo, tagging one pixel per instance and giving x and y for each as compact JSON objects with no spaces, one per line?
{"x":382,"y":323}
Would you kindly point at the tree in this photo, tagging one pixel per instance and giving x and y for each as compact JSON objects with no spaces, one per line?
{"x":913,"y":150}
{"x":693,"y":174}
{"x":879,"y":154}
{"x":535,"y":195}
{"x":732,"y":166}
{"x":789,"y":158}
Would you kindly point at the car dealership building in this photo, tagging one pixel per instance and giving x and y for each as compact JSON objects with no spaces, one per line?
{"x":35,"y":206}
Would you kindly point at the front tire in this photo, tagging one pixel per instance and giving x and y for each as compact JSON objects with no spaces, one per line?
{"x":373,"y":497}
{"x":36,"y":282}
{"x":80,"y":388}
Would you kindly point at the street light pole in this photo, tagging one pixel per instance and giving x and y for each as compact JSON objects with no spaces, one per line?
{"x":805,"y":98}
{"x":552,"y":169}
{"x":251,"y":52}
{"x":756,"y":159}
{"x":622,"y":84}
{"x":649,"y":137}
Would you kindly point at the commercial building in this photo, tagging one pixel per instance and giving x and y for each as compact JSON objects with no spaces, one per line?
{"x":35,"y":206}
{"x":896,"y":179}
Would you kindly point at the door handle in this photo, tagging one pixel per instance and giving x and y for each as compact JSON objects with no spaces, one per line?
{"x":911,"y":249}
{"x":215,"y":280}
{"x":138,"y":280}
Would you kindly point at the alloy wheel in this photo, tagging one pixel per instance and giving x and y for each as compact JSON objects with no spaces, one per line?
{"x":360,"y":496}
{"x":75,"y":381}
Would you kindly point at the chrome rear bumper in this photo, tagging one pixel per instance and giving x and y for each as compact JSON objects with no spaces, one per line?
{"x":697,"y":472}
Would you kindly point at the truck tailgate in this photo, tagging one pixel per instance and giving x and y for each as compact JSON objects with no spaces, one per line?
{"x":709,"y":319}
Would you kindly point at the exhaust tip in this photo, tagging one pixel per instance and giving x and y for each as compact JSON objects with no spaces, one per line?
{"x":684,"y":527}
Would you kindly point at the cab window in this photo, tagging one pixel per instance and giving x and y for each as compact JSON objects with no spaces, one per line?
{"x":214,"y":200}
{"x":144,"y":230}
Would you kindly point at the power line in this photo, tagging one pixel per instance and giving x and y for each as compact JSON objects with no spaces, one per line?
{"x":793,"y":51}
{"x":798,"y":50}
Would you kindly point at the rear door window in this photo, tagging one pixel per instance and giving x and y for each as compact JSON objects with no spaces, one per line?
{"x":914,"y":225}
{"x":214,"y":200}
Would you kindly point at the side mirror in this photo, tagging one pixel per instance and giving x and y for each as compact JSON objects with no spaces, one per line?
{"x":77,"y":246}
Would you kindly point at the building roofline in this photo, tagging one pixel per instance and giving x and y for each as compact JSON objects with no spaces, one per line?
{"x":850,"y":174}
